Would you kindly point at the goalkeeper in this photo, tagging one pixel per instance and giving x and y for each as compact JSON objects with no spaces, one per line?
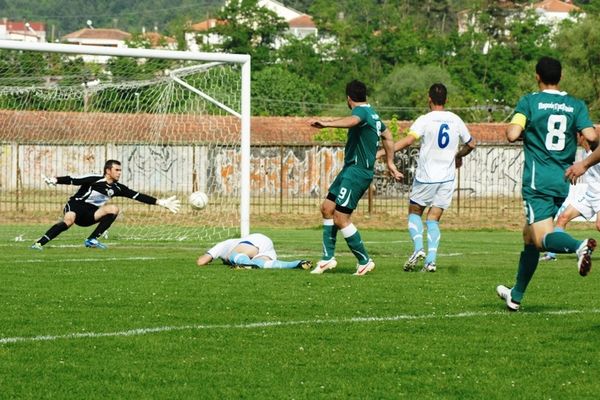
{"x":253,"y":251}
{"x":88,"y":206}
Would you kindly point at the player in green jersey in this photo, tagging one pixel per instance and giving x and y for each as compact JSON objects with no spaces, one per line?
{"x":548,"y":122}
{"x":365,"y":128}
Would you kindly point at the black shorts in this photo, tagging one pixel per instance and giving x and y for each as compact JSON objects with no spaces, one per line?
{"x":84,"y":212}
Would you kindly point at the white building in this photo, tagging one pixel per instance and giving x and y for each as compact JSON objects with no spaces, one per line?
{"x":553,"y":12}
{"x":98,"y":37}
{"x":22,"y":31}
{"x":300,"y":25}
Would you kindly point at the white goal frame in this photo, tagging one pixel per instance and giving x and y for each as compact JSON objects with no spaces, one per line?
{"x":244,"y":115}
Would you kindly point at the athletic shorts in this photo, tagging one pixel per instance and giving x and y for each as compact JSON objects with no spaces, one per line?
{"x":539,"y":206}
{"x":587,"y":204}
{"x":432,"y":194}
{"x":263,"y":243}
{"x":84,"y":212}
{"x":348,"y":188}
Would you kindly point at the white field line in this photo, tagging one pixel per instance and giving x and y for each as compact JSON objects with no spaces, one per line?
{"x":270,"y":324}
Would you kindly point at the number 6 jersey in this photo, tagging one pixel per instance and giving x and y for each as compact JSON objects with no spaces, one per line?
{"x":551,"y":120}
{"x":440,"y":133}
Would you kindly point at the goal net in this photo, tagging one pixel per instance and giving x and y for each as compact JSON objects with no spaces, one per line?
{"x":178,"y":122}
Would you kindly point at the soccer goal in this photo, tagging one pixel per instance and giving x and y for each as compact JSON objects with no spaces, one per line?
{"x":178,"y":121}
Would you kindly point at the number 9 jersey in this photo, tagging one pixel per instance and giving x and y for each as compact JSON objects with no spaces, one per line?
{"x":551,"y":120}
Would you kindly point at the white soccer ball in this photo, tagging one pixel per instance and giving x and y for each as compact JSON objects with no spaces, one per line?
{"x":198,"y":200}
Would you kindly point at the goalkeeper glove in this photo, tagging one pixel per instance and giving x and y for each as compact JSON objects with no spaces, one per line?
{"x":50,"y":180}
{"x":171,"y":203}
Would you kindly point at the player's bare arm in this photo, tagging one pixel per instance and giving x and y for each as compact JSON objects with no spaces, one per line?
{"x":346,"y":122}
{"x":388,"y":147}
{"x":464,"y":150}
{"x":579,"y":168}
{"x":513,"y":132}
{"x":204,"y":259}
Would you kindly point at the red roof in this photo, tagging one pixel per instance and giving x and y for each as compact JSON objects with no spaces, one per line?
{"x":203,"y":26}
{"x":556,"y":6}
{"x":303,"y":21}
{"x":87,"y":33}
{"x":156,"y":38}
{"x":19,"y":26}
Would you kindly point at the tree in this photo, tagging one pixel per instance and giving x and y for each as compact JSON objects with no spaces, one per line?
{"x":276,"y":91}
{"x":249,"y":29}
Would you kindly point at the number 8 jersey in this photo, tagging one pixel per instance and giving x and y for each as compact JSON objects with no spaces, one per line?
{"x":440,"y":133}
{"x":551,"y":120}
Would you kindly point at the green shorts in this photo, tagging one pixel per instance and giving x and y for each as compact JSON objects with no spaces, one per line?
{"x":539,"y":206}
{"x":348,"y":188}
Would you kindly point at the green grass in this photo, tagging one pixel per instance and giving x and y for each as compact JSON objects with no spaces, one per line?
{"x":289,"y":334}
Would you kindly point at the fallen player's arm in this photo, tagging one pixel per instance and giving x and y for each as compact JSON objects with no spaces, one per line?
{"x":204,"y":259}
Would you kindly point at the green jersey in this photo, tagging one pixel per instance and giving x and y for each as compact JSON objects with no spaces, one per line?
{"x":361,"y":145}
{"x":552,"y":120}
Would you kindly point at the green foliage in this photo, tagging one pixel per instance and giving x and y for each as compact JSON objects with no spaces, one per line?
{"x":276,"y":91}
{"x":331,"y":135}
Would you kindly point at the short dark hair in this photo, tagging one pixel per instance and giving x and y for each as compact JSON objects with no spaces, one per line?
{"x":357,"y":91}
{"x":438,"y":94}
{"x":109,"y":164}
{"x":549,"y":70}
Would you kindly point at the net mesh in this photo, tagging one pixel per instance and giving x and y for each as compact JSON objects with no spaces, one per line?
{"x":65,"y":115}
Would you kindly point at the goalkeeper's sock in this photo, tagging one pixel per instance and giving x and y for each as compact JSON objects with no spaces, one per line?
{"x":53,"y":232}
{"x":560,"y":242}
{"x":103,"y":225}
{"x":282,"y":264}
{"x":528,"y":263}
{"x":355,"y":243}
{"x":433,"y":241}
{"x":415,"y":229}
{"x":329,"y":238}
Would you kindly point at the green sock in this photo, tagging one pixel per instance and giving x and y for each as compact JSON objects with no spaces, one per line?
{"x":527,"y":265}
{"x":560,"y":242}
{"x":329,"y":238}
{"x":356,"y":244}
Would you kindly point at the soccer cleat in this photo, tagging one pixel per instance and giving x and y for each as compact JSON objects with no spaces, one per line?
{"x":305,"y":265}
{"x":240,"y":266}
{"x":548,"y":257}
{"x":504,"y":294}
{"x":37,"y":246}
{"x":584,"y":256}
{"x":429,"y":267}
{"x":412,"y":261}
{"x":324,"y":265}
{"x":94,"y":244}
{"x":363,"y":269}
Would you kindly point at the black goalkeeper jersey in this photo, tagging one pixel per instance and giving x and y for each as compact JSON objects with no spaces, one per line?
{"x":95,"y":190}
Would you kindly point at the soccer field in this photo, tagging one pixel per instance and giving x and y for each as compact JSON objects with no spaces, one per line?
{"x":140,"y":320}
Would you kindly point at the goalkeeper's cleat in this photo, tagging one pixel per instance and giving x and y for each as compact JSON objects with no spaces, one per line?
{"x":412,"y":261}
{"x":429,"y":267}
{"x":363,"y":269}
{"x":37,"y":246}
{"x":94,"y":244}
{"x":548,"y":257}
{"x":504,"y":293}
{"x":305,"y":265}
{"x":324,"y":265}
{"x":584,"y":256}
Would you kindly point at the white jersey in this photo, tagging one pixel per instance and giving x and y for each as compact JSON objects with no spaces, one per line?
{"x":592,"y":178}
{"x":261,"y":242}
{"x":440,"y":133}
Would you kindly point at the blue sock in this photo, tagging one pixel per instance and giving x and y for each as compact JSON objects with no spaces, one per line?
{"x":433,"y":240}
{"x":282,"y":264}
{"x":415,"y":229}
{"x":243,"y":259}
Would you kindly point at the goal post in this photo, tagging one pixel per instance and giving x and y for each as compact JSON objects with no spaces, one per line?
{"x":195,"y":108}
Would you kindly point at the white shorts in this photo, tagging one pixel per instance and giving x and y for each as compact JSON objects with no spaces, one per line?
{"x":263,"y":243}
{"x":432,"y":194}
{"x":587,"y":204}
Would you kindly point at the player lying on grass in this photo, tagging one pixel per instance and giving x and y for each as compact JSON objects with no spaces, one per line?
{"x":253,"y":251}
{"x":88,"y":206}
{"x":583,"y":199}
